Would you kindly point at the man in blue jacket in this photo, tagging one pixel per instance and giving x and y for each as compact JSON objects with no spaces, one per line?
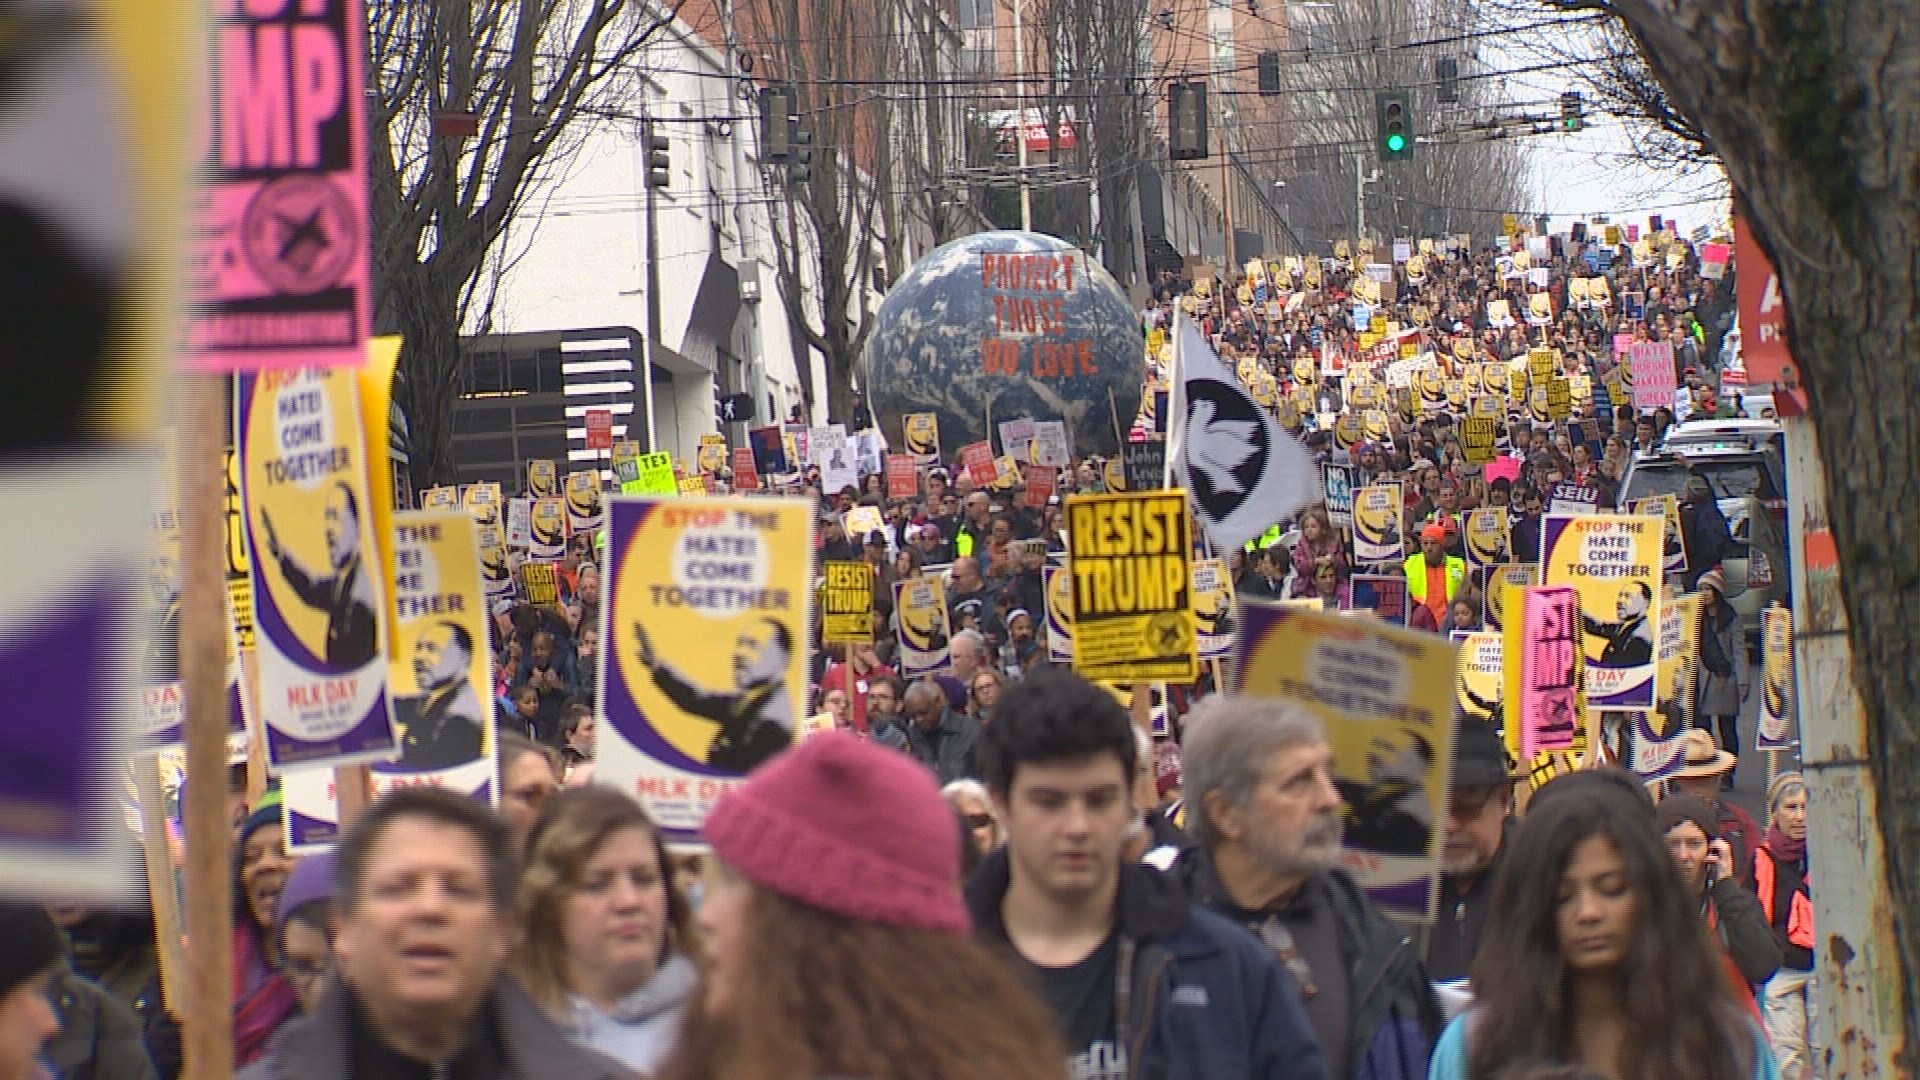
{"x":1263,"y":806}
{"x":1143,"y":984}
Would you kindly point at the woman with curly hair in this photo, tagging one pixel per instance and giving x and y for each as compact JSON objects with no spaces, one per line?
{"x":836,"y":949}
{"x":606,"y":939}
{"x":1602,"y":960}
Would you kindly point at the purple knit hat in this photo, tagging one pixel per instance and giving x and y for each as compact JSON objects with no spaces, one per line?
{"x":310,"y":880}
{"x":802,"y":826}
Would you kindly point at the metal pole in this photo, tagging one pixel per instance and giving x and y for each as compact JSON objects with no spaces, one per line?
{"x":1857,"y":965}
{"x":1360,"y":194}
{"x":653,"y":278}
{"x":1020,"y":111}
{"x":1226,"y":202}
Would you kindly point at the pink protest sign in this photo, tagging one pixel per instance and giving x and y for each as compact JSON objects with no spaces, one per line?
{"x":1502,"y":468}
{"x":1549,"y":672}
{"x":282,"y":276}
{"x":1654,"y":379}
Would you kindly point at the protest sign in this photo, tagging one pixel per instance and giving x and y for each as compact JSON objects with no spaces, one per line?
{"x":903,"y":478}
{"x":654,"y":476}
{"x":284,"y":269}
{"x":1673,"y":548}
{"x":584,"y":510}
{"x":920,"y":609}
{"x":861,"y":521}
{"x":1476,"y":675}
{"x":711,"y":456}
{"x":163,"y":696}
{"x":496,"y":571}
{"x":1654,"y":377}
{"x":1658,"y":749}
{"x":1114,"y":474}
{"x":1042,"y":481}
{"x":1559,"y":398}
{"x":626,"y":450}
{"x":683,"y":721}
{"x":1050,"y":446}
{"x":1779,"y":723}
{"x":1336,"y":481}
{"x":1613,"y":562}
{"x":1213,"y":609}
{"x":922,"y":431}
{"x":746,"y":476}
{"x":520,"y":524}
{"x":1377,"y":531}
{"x":1057,"y":583}
{"x":1006,"y":472}
{"x":1568,"y":498}
{"x":440,"y":679}
{"x":832,"y":453}
{"x":1500,"y":579}
{"x":1537,"y":404}
{"x":1476,"y":437}
{"x":540,"y":583}
{"x":483,"y":502}
{"x":1132,"y":588}
{"x":1542,"y":661}
{"x":547,"y":529}
{"x":599,"y":429}
{"x":846,"y":603}
{"x":870,"y":452}
{"x":1016,"y":437}
{"x":977,"y":459}
{"x":690,"y":485}
{"x":319,"y":591}
{"x":769,"y":448}
{"x":543,"y":478}
{"x":1384,"y":595}
{"x":440,"y":498}
{"x":1382,"y":694}
{"x":1145,"y":465}
{"x":1484,"y":535}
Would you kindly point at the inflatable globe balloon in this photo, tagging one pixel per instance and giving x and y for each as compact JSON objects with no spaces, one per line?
{"x":1009,"y":323}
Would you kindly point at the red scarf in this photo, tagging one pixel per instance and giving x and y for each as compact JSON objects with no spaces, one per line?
{"x":258,"y":1014}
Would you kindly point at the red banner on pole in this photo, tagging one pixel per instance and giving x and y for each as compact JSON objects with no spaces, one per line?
{"x":745,"y":478}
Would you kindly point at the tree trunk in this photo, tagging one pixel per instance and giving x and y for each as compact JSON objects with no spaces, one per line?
{"x":1815,"y":105}
{"x":429,"y":377}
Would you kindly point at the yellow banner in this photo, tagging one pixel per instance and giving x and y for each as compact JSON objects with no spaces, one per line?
{"x":1613,"y":562}
{"x":1778,"y":720}
{"x":1500,"y":580}
{"x":1384,"y":695}
{"x":922,"y":431}
{"x":846,"y":603}
{"x":920,"y":607}
{"x":1213,"y":609}
{"x":1486,"y":536}
{"x":549,"y":521}
{"x":1132,"y":586}
{"x":1378,"y":531}
{"x":543,"y":478}
{"x":1477,"y":674}
{"x":704,"y":647}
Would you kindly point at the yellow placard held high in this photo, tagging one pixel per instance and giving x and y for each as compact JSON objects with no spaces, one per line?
{"x":1132,"y":586}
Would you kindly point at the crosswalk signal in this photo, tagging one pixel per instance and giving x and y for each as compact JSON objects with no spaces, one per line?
{"x":1572,"y":111}
{"x":1393,"y":116}
{"x":1187,"y":120}
{"x":776,"y":122}
{"x":659,"y":161}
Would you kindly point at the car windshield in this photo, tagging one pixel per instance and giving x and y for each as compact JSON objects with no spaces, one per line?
{"x":1730,"y":478}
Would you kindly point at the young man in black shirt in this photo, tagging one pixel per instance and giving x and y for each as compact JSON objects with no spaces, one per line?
{"x":1143,"y":983}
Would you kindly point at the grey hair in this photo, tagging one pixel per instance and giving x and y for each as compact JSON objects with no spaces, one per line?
{"x":972,"y":789}
{"x":1229,"y":740}
{"x":976,"y":642}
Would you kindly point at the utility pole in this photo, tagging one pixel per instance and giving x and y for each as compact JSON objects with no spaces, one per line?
{"x":1360,"y":193}
{"x":1857,"y":962}
{"x":1226,"y":202}
{"x":1020,"y":111}
{"x":653,"y":278}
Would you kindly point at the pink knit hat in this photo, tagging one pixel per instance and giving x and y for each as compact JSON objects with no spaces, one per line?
{"x":803,"y":826}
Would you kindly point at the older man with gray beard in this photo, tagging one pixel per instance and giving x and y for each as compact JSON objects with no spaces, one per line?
{"x":1264,"y":808}
{"x":1478,"y":805}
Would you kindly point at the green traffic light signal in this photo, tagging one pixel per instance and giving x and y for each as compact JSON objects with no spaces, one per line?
{"x":1396,"y":142}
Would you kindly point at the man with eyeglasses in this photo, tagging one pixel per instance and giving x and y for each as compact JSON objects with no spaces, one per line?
{"x":1476,"y":839}
{"x":883,"y":712}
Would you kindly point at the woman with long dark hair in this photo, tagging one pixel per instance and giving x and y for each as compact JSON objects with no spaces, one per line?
{"x":605,"y":939}
{"x":1601,"y":959}
{"x":839,"y":950}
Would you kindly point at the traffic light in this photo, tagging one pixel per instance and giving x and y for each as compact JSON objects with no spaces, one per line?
{"x":800,"y":158}
{"x":1393,"y":115}
{"x":1187,"y":120}
{"x":776,"y":122}
{"x":1446,"y":71}
{"x":1572,"y":111}
{"x":1269,"y":74}
{"x":659,"y":161}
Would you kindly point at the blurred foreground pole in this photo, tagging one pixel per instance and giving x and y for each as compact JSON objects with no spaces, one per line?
{"x":1856,"y":955}
{"x":208,"y":1016}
